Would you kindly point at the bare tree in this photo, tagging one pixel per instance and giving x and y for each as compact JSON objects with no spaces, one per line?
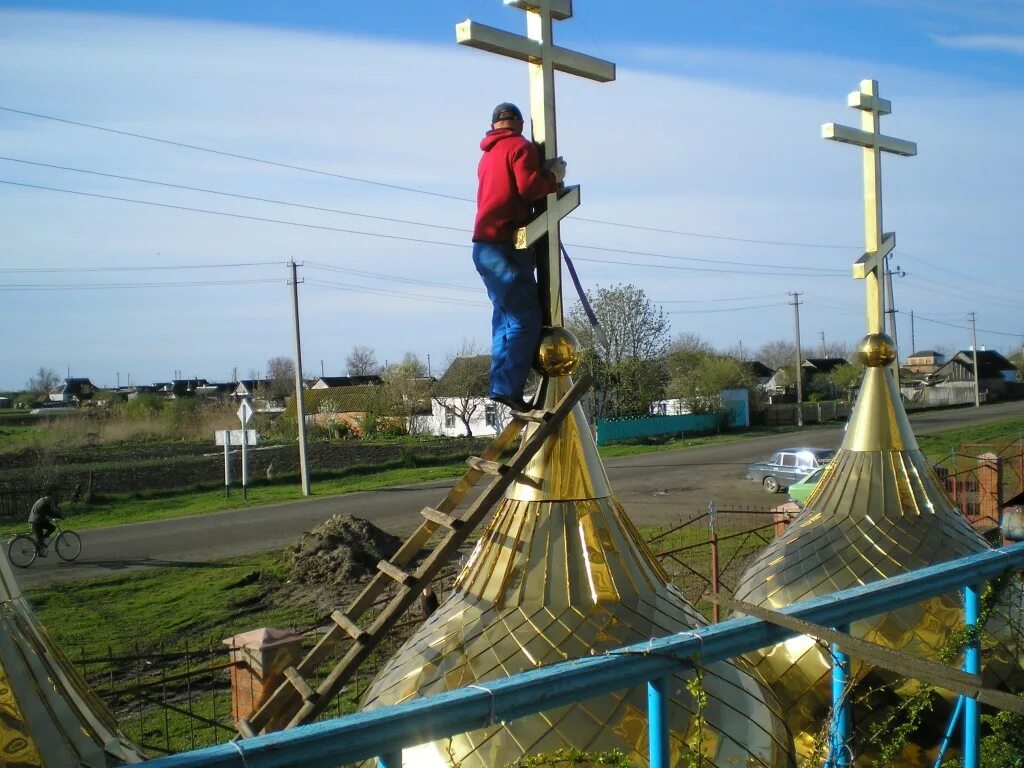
{"x":404,"y":394}
{"x":629,"y":373}
{"x":44,"y":381}
{"x":777,"y":354}
{"x":463,"y":387}
{"x":280,"y":377}
{"x":362,"y":361}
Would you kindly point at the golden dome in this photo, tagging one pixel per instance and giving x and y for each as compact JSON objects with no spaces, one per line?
{"x":559,"y":352}
{"x":876,"y":350}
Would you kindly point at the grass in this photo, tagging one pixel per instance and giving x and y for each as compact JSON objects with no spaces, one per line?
{"x":165,"y":604}
{"x":144,"y":507}
{"x":939,"y":445}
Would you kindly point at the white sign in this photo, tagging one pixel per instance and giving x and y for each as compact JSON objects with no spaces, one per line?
{"x":244,"y":414}
{"x":251,"y":437}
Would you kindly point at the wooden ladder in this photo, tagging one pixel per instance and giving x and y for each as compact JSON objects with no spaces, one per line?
{"x":295,"y":694}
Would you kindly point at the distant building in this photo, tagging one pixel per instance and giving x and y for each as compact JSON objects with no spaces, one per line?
{"x":72,"y":391}
{"x":325,"y":382}
{"x":995,"y":372}
{"x":460,"y":396}
{"x":761,"y":372}
{"x":926,"y":361}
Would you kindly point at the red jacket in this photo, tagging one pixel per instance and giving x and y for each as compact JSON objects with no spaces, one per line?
{"x":510,"y":179}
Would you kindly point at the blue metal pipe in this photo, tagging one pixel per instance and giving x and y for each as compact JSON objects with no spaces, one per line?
{"x":972,"y":665}
{"x":657,"y":722}
{"x":360,"y":736}
{"x":840,"y":748}
{"x":947,"y":737}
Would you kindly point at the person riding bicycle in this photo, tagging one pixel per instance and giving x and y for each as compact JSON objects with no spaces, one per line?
{"x":41,"y":518}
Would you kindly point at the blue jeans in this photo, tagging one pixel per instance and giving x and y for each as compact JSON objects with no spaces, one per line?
{"x":516,"y":321}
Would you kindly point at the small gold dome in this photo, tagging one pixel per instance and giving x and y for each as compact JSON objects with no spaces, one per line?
{"x":559,"y":352}
{"x":876,"y":350}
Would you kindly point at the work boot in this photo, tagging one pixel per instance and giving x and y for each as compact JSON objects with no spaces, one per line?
{"x":515,"y":404}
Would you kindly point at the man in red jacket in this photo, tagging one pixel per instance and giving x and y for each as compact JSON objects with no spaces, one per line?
{"x":512,"y":177}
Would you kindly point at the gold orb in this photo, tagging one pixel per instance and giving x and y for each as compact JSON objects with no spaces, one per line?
{"x":559,"y":352}
{"x":876,"y":350}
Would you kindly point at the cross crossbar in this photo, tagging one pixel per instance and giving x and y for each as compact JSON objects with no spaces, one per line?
{"x":494,"y":40}
{"x":860,"y":138}
{"x":872,"y":260}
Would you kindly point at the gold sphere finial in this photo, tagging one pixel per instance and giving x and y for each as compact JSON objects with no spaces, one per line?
{"x":876,"y":350}
{"x":559,"y":352}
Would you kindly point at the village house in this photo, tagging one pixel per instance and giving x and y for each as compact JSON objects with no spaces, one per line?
{"x":72,"y":391}
{"x":460,"y":405}
{"x":996,"y":374}
{"x":924,"y":362}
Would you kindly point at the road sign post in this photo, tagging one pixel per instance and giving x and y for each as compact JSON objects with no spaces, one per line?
{"x":244,"y":415}
{"x":227,"y":463}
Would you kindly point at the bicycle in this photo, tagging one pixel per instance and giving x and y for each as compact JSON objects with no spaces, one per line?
{"x":22,"y":550}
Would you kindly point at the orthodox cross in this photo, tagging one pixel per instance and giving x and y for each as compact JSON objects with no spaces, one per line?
{"x":543,"y":57}
{"x":870,"y":266}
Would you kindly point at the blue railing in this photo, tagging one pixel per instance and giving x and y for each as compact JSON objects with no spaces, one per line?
{"x":385,"y":732}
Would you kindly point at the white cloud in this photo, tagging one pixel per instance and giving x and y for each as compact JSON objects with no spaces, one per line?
{"x":999,"y":43}
{"x":738,"y":156}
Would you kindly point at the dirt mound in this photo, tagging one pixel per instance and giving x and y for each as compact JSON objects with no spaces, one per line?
{"x":341,"y":549}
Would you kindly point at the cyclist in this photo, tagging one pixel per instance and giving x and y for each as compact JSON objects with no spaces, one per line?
{"x":41,"y":518}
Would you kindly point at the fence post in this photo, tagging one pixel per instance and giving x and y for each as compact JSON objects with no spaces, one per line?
{"x":712,"y":520}
{"x":657,"y":723}
{"x":972,"y":666}
{"x":840,"y":746}
{"x":990,"y":486}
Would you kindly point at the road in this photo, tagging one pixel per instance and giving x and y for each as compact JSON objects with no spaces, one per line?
{"x":655,"y":488}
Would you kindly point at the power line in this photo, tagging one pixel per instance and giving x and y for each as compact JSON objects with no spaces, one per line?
{"x":701,"y":301}
{"x":235,"y":195}
{"x":105,"y":286}
{"x":779,"y":271}
{"x":233,"y":155}
{"x":395,"y":278}
{"x":146,"y":268}
{"x":416,"y":190}
{"x":771,"y":273}
{"x":918,"y":315}
{"x":396,"y":294}
{"x":726,"y":309}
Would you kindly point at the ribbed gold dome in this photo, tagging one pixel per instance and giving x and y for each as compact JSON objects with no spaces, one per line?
{"x":877,"y":511}
{"x":561,"y":573}
{"x":49,"y":718}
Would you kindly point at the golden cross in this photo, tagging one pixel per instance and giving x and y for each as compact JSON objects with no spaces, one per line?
{"x":544,"y":58}
{"x":876,"y":245}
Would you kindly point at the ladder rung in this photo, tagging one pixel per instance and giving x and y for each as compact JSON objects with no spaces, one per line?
{"x":354,"y":631}
{"x":396,"y":573}
{"x":537,"y":417}
{"x":442,"y":518}
{"x":245,"y":729}
{"x":487,"y":467}
{"x":300,"y":684}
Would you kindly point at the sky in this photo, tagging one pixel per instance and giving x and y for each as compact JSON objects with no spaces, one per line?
{"x":161,"y":163}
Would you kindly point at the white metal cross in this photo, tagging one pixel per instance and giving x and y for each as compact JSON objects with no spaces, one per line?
{"x":544,"y":58}
{"x":876,"y":245}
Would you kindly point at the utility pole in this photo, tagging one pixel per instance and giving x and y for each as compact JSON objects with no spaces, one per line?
{"x":118,"y":379}
{"x":321,"y":369}
{"x":822,"y":334}
{"x":913,"y":343}
{"x":891,"y":311}
{"x":974,"y":347}
{"x":300,"y":411}
{"x":428,"y":365}
{"x":741,"y":350}
{"x":799,"y":356}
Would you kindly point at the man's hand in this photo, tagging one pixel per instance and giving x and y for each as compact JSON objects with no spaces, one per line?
{"x":556,"y":167}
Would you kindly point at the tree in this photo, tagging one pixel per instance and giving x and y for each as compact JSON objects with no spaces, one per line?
{"x":777,"y":354}
{"x":700,"y":385}
{"x":362,"y":361}
{"x":280,"y":377}
{"x":403,"y":395}
{"x":44,"y":381}
{"x":463,"y":386}
{"x":686,"y":351}
{"x":629,"y":372}
{"x":846,"y":378}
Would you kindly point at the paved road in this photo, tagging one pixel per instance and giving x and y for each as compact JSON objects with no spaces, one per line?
{"x":655,"y":488}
